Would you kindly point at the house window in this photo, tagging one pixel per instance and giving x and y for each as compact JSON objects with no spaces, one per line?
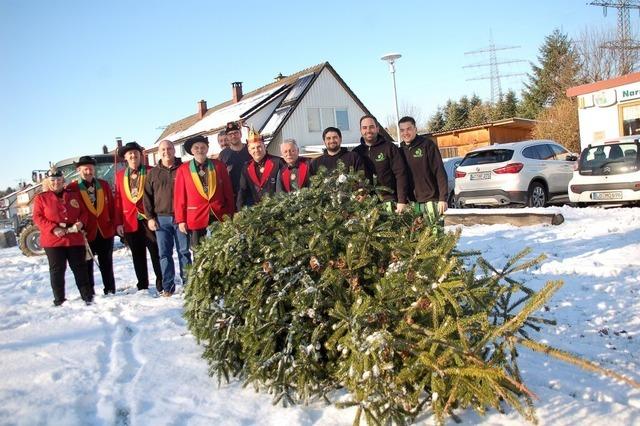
{"x":630,"y":119}
{"x":319,"y":119}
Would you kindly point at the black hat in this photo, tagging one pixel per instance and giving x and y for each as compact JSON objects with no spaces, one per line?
{"x":232,"y":126}
{"x":189,"y":142}
{"x":84,"y":160}
{"x":54,"y":172}
{"x":129,"y":147}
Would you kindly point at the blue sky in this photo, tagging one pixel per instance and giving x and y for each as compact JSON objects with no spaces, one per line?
{"x":76,"y":74}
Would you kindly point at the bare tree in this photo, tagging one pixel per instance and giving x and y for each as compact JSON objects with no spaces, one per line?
{"x":409,"y":109}
{"x":598,"y":63}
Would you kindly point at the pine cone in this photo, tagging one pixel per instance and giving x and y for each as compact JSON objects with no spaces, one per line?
{"x":418,"y":222}
{"x":423,"y":303}
{"x":354,"y":283}
{"x":266,"y":267}
{"x":341,"y":264}
{"x":411,"y":275}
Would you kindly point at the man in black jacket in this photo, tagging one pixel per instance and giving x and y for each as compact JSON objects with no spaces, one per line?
{"x":334,"y":154}
{"x":383,"y":160}
{"x":158,"y":205}
{"x":428,"y":176}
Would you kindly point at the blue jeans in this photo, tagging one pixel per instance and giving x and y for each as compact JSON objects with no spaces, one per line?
{"x":168,"y":234}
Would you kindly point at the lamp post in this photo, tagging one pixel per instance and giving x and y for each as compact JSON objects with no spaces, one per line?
{"x":391,"y":59}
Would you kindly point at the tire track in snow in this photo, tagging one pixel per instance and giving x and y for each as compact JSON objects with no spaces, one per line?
{"x":117,"y":387}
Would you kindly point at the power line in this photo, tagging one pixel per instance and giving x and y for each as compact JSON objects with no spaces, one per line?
{"x":494,"y":71}
{"x":625,"y":44}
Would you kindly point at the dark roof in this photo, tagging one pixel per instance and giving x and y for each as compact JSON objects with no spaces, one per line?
{"x":189,"y":121}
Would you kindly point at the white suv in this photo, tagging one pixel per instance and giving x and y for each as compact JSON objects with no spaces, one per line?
{"x":608,"y":173}
{"x":531,"y":173}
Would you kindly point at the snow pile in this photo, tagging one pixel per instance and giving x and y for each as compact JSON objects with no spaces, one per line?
{"x":128,"y":359}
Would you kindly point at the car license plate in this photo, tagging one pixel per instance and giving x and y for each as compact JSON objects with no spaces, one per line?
{"x":603,"y":196}
{"x":480,"y":176}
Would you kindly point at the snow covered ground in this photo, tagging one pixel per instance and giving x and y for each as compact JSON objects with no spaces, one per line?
{"x":129,"y":359}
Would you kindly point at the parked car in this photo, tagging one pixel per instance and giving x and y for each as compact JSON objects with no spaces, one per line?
{"x":529,"y":173}
{"x":450,"y":166}
{"x":608,"y":173}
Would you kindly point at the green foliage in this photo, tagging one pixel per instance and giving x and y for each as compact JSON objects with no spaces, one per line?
{"x":472,"y":111}
{"x":322,"y":289}
{"x":558,"y":69}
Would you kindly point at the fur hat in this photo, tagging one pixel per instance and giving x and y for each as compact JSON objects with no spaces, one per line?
{"x":84,"y":160}
{"x":189,"y":143}
{"x":131,"y":146}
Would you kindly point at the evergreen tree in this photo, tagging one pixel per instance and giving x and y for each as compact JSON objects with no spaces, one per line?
{"x":506,"y":107}
{"x":436,"y":121}
{"x":454,"y":115}
{"x":323,"y":289}
{"x":558,"y":69}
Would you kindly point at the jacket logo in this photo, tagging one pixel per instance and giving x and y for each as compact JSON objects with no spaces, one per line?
{"x":380,"y":157}
{"x":74,"y":204}
{"x":417,"y":153}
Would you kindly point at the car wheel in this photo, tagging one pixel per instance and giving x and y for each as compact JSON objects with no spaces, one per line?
{"x":452,"y":200}
{"x":537,"y":196}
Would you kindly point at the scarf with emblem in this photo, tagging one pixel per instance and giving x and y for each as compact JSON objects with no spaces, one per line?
{"x":211,"y":179}
{"x":142,"y":173}
{"x":97,"y":209}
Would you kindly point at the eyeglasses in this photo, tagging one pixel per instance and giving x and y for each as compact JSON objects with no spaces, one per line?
{"x":233,"y":132}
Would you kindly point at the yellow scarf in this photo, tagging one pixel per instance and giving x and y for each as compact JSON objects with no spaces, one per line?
{"x":96,"y":211}
{"x":127,"y":190}
{"x":211,"y":179}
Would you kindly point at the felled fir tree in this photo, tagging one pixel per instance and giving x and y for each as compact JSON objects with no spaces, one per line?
{"x":322,"y":289}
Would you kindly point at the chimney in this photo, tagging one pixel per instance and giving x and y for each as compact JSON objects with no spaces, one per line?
{"x":118,"y":143}
{"x":236,"y":91}
{"x":105,"y":150}
{"x":202,"y":108}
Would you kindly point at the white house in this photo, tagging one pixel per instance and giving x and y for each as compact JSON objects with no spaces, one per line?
{"x":608,"y":109}
{"x":298,"y":106}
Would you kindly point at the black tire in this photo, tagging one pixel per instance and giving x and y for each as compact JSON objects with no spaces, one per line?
{"x":451,"y":201}
{"x":29,"y":241}
{"x":537,"y":196}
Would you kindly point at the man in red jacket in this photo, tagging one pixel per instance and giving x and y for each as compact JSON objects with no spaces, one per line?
{"x":203,"y":192}
{"x":98,"y":199}
{"x":294,"y":173}
{"x":259,"y":175}
{"x":131,"y":221}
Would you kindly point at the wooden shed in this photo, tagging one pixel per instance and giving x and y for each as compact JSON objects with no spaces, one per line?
{"x":457,"y":142}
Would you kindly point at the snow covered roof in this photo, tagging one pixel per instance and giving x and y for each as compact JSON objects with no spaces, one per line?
{"x":218,"y":116}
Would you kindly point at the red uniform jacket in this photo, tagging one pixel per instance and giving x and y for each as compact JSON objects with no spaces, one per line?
{"x":126,"y":210}
{"x":303,"y":175}
{"x":102,"y":216}
{"x":191,"y":206}
{"x":49,"y":212}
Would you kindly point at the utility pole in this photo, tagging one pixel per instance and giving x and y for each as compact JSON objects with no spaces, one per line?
{"x":624,"y":46}
{"x":494,"y":71}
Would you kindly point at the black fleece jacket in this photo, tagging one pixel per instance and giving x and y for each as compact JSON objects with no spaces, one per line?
{"x":351,"y":160}
{"x":384,"y":160}
{"x":428,"y":178}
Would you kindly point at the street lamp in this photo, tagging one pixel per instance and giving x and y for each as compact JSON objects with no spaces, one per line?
{"x":391,"y":59}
